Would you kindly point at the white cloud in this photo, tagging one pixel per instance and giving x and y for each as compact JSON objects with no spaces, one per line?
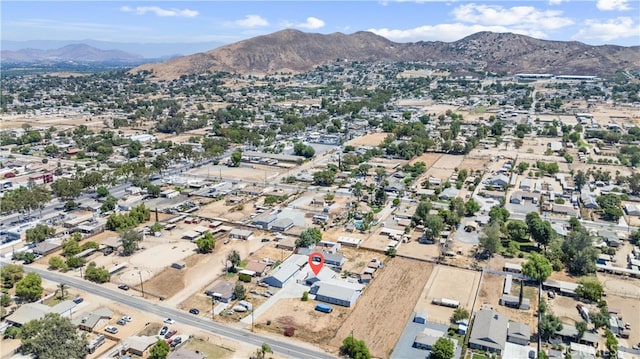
{"x":608,"y":5}
{"x":524,"y":17}
{"x":557,"y":2}
{"x":611,"y":29}
{"x":252,"y":21}
{"x":158,"y":11}
{"x":312,"y":23}
{"x":446,"y":32}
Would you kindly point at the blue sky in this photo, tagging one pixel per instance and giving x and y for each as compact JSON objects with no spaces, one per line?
{"x":594,"y":22}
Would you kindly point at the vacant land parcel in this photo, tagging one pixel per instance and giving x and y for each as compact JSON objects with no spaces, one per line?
{"x":389,"y":299}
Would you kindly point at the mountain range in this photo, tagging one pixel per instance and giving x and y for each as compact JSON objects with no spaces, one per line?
{"x":73,"y":52}
{"x":297,"y":51}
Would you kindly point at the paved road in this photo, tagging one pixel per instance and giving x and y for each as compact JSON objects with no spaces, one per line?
{"x":240,"y":335}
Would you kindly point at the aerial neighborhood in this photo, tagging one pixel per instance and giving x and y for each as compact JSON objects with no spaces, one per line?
{"x":357,"y":210}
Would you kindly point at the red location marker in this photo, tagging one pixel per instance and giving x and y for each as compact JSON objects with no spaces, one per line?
{"x":316,"y":261}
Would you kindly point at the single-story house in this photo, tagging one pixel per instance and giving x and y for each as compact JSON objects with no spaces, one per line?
{"x":222,"y":291}
{"x":337,"y":292}
{"x":287,"y":243}
{"x":489,"y":332}
{"x":285,"y":271}
{"x":259,"y":268}
{"x":349,"y":241}
{"x":89,"y":321}
{"x":138,"y":345}
{"x":191,"y":235}
{"x":33,"y":311}
{"x":44,"y":248}
{"x":518,"y":197}
{"x":427,"y":338}
{"x":449,"y":193}
{"x":241,"y":234}
{"x":264,"y":221}
{"x":325,"y":274}
{"x":498,"y":180}
{"x":565,"y":288}
{"x":518,"y":333}
{"x":282,"y":224}
{"x":330,"y":259}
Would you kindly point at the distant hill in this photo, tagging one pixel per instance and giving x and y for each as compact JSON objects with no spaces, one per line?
{"x":296,"y":51}
{"x":74,"y":52}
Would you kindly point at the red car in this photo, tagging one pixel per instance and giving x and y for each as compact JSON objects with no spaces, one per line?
{"x":170,"y":333}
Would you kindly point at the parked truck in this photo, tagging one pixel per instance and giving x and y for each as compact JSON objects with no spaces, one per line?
{"x":324,"y":308}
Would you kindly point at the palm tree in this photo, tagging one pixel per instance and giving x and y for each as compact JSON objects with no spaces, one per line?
{"x":61,"y":288}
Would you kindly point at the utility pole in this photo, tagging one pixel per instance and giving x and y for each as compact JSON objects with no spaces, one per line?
{"x":141,"y":286}
{"x":252,"y":318}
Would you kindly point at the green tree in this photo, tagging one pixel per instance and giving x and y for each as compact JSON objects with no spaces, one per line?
{"x":433,"y":225}
{"x":490,"y":238}
{"x":159,"y":350}
{"x":541,"y":231}
{"x":263,"y":351}
{"x":239,"y":291}
{"x":234,"y":258}
{"x":10,"y":274}
{"x":70,"y":247}
{"x":102,"y":191}
{"x":236,"y":158}
{"x":549,"y":325}
{"x":518,"y":231}
{"x":37,"y":337}
{"x":499,"y":214}
{"x":590,"y":288}
{"x":309,"y":237}
{"x":305,"y":296}
{"x":599,"y":319}
{"x":611,"y":343}
{"x":95,"y":274}
{"x":5,"y":300}
{"x":442,"y":349}
{"x":581,"y":327}
{"x":324,"y":178}
{"x":29,"y":287}
{"x":471,"y":207}
{"x":578,"y":253}
{"x":537,"y":267}
{"x":39,"y":233}
{"x":12,"y":332}
{"x":130,"y":239}
{"x":56,"y":262}
{"x":354,"y":349}
{"x":109,"y":204}
{"x":459,"y":314}
{"x":206,"y":243}
{"x":610,"y":204}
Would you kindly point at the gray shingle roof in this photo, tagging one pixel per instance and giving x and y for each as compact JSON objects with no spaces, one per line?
{"x":489,"y":329}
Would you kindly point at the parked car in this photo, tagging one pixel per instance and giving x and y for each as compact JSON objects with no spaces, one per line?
{"x":194,"y":311}
{"x":176,"y":342}
{"x":163,"y":330}
{"x":121,"y":322}
{"x":126,"y":318}
{"x":78,"y":300}
{"x":123,"y":287}
{"x":111,"y":329}
{"x":265,"y":240}
{"x":169,"y":321}
{"x":170,"y":333}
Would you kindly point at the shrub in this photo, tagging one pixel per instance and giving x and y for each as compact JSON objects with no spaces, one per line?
{"x":289,"y":331}
{"x":244,"y":277}
{"x":305,"y":296}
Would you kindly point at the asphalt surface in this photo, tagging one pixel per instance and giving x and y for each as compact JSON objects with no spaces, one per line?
{"x":240,"y":335}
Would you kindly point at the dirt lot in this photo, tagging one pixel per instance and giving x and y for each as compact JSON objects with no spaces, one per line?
{"x":219,"y":209}
{"x":428,"y":158}
{"x":389,"y":299}
{"x":311,"y":326}
{"x":491,"y":291}
{"x":418,"y":250}
{"x":440,"y":286}
{"x":372,"y":139}
{"x":443,"y":168}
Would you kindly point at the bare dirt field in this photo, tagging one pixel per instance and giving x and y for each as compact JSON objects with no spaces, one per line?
{"x":428,"y":158}
{"x":372,"y":139}
{"x":491,"y":291}
{"x":443,"y":168}
{"x":389,"y":299}
{"x":418,"y":250}
{"x":473,"y":163}
{"x":311,"y":326}
{"x":219,"y":209}
{"x":452,"y":283}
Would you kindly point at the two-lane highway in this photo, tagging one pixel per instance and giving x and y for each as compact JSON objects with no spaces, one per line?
{"x":282,"y":347}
